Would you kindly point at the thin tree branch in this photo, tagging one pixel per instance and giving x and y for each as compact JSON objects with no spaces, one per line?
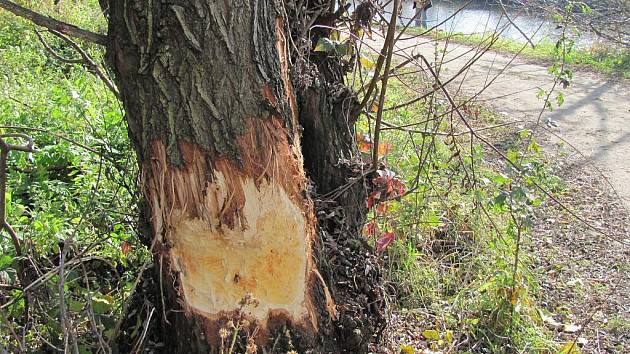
{"x":439,"y":85}
{"x":89,"y":63}
{"x":389,"y":40}
{"x":52,"y":24}
{"x":389,"y":46}
{"x":505,"y":13}
{"x":55,"y":54}
{"x":5,"y":149}
{"x":69,"y":337}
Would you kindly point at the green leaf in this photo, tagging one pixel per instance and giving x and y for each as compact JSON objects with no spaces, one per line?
{"x":406,"y":349}
{"x":449,"y":336}
{"x":84,"y":349}
{"x":5,"y":261}
{"x":344,"y":48}
{"x":569,"y":347}
{"x":74,"y":305}
{"x":366,"y":62}
{"x":431,"y":334}
{"x":560,"y":99}
{"x":432,"y":218}
{"x":324,"y":45}
{"x":100,"y":305}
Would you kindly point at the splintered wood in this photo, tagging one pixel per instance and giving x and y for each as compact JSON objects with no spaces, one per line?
{"x":237,"y":228}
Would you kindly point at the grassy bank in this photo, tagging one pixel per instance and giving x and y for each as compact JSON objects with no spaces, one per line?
{"x":599,"y":57}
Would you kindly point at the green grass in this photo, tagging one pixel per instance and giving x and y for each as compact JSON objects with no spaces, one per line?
{"x":599,"y":57}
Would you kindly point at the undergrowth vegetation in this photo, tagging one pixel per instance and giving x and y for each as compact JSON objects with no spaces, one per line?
{"x":71,"y":201}
{"x":451,"y":244}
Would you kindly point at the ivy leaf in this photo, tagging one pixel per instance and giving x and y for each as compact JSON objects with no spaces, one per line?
{"x":406,"y":349}
{"x":344,"y":48}
{"x":100,"y":305}
{"x":335,"y":35}
{"x":5,"y":261}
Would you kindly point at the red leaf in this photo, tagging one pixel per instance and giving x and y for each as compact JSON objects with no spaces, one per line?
{"x":364,"y":147}
{"x":370,"y":201}
{"x":125,"y":247}
{"x":369,"y":229}
{"x":363,"y":143}
{"x":400,"y":187}
{"x":385,"y":241}
{"x":390,"y":187}
{"x":382,"y":208}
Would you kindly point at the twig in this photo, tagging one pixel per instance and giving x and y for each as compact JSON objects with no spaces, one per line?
{"x":52,"y":24}
{"x":513,"y":164}
{"x":89,"y":63}
{"x":385,"y":52}
{"x":517,"y":252}
{"x":104,"y":348}
{"x":147,"y":323}
{"x":55,"y":54}
{"x":68,"y":333}
{"x":5,"y":149}
{"x":505,"y":13}
{"x":389,"y":47}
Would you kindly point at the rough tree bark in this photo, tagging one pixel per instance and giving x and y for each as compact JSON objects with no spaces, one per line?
{"x":229,"y":210}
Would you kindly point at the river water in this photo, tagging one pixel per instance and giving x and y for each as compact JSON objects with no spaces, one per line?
{"x":480,"y":17}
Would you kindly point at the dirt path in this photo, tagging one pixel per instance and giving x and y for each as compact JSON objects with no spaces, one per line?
{"x":595,"y":117}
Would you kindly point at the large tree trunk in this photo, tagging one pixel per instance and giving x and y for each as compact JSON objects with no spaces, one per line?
{"x":228,"y":207}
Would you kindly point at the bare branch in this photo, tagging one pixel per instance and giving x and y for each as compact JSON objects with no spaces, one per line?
{"x":5,"y":148}
{"x":55,"y":54}
{"x":89,"y":62}
{"x":389,"y":46}
{"x":505,"y":13}
{"x":52,"y":24}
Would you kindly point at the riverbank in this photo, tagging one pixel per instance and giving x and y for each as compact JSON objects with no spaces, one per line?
{"x":599,"y":58}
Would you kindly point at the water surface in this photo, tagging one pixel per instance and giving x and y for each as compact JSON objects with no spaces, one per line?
{"x":480,"y":17}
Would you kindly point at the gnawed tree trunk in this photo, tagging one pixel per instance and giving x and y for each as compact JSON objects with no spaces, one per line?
{"x":216,"y":125}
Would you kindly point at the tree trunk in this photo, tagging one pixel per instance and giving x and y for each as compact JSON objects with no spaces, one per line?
{"x":228,"y":209}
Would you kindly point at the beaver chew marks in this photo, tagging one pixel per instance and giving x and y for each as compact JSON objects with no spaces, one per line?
{"x":264,"y":254}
